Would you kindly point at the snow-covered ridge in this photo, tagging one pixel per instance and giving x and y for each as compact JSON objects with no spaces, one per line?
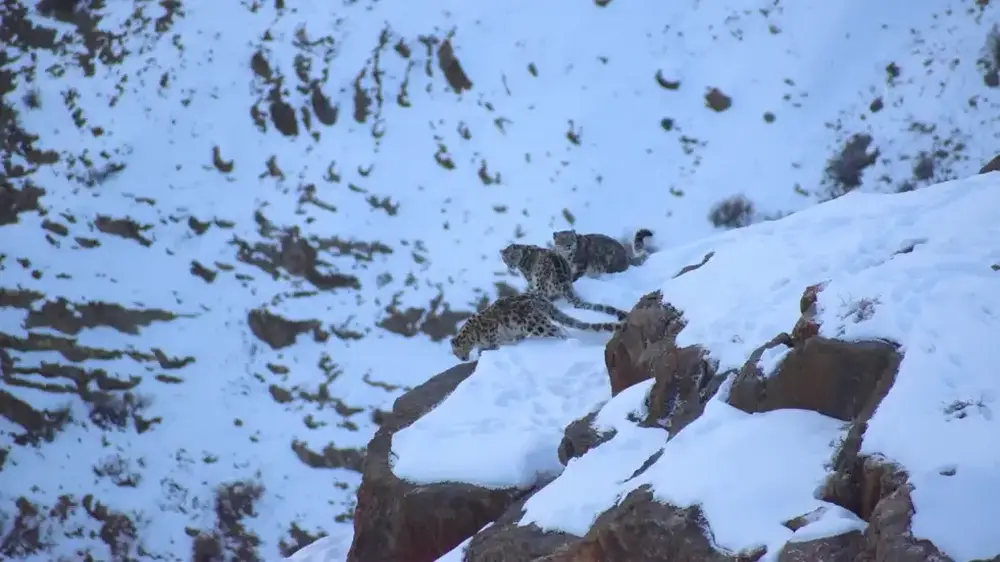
{"x":245,"y":226}
{"x":928,"y":264}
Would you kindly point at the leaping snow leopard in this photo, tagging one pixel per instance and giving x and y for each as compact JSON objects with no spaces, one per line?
{"x":597,"y":254}
{"x":549,"y":275}
{"x":515,"y":318}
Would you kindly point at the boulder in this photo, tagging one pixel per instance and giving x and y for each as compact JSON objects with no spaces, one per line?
{"x":807,"y":325}
{"x":396,"y":521}
{"x":581,"y":436}
{"x":645,"y":348}
{"x":878,"y":492}
{"x":991,"y":166}
{"x":506,"y":540}
{"x":651,"y":326}
{"x":684,"y":380}
{"x":838,"y":548}
{"x":641,"y":528}
{"x":844,"y":380}
{"x":847,"y":381}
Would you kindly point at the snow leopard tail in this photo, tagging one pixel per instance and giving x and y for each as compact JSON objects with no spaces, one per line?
{"x":639,"y":249}
{"x":567,"y":320}
{"x":576,"y":301}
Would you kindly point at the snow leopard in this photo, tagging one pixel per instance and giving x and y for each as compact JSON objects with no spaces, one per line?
{"x":597,"y":254}
{"x":515,"y":318}
{"x":549,"y":275}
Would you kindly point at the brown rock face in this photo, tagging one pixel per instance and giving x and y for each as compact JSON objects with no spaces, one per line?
{"x":646,"y":348}
{"x":396,"y":521}
{"x":581,"y":436}
{"x":991,"y":166}
{"x":843,"y":380}
{"x":627,"y":355}
{"x":807,"y":325}
{"x":685,"y":379}
{"x":506,"y":540}
{"x":841,"y":548}
{"x":847,"y":381}
{"x":642,"y":529}
{"x":889,"y":537}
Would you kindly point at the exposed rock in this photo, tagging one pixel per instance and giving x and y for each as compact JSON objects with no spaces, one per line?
{"x":694,"y":266}
{"x":437,"y":321}
{"x":838,"y":548}
{"x":581,"y":436}
{"x":70,"y":318}
{"x":124,"y":227}
{"x":649,"y":323}
{"x":991,"y":166}
{"x":717,"y":101}
{"x":646,"y":348}
{"x":275,"y":331}
{"x":878,"y":492}
{"x":293,"y":254}
{"x":684,"y":381}
{"x":452,"y":69}
{"x":807,"y":325}
{"x":889,"y":536}
{"x":640,"y":528}
{"x":506,"y":540}
{"x":402,"y":522}
{"x":843,"y":380}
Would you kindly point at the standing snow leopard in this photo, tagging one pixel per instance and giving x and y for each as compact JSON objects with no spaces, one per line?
{"x":515,"y":318}
{"x":549,"y":275}
{"x":597,"y":254}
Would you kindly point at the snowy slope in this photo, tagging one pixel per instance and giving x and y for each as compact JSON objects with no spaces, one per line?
{"x":940,"y":301}
{"x":213,"y":158}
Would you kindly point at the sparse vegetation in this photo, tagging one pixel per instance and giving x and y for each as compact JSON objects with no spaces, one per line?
{"x":989,"y":63}
{"x":230,"y":541}
{"x":734,"y":212}
{"x":843,"y":171}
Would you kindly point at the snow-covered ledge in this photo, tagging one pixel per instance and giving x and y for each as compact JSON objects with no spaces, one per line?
{"x":917,"y":269}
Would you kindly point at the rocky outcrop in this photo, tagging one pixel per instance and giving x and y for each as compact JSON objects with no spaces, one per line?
{"x":506,"y":540}
{"x":396,"y":521}
{"x":580,"y":437}
{"x":649,"y":331}
{"x":844,"y":380}
{"x":841,"y":379}
{"x":640,"y":528}
{"x":991,"y":166}
{"x":840,"y":548}
{"x":646,"y":348}
{"x":847,"y":381}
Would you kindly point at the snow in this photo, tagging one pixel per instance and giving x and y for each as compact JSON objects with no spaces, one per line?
{"x":326,"y":549}
{"x":510,"y":415}
{"x":832,"y":521}
{"x":751,"y":473}
{"x":559,"y":506}
{"x":625,"y":171}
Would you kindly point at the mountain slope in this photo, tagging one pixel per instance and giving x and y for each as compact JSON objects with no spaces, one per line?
{"x":913,"y":275}
{"x":233,"y":232}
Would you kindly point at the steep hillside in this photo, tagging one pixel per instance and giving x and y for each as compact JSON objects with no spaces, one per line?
{"x":233,"y":232}
{"x":835,"y":404}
